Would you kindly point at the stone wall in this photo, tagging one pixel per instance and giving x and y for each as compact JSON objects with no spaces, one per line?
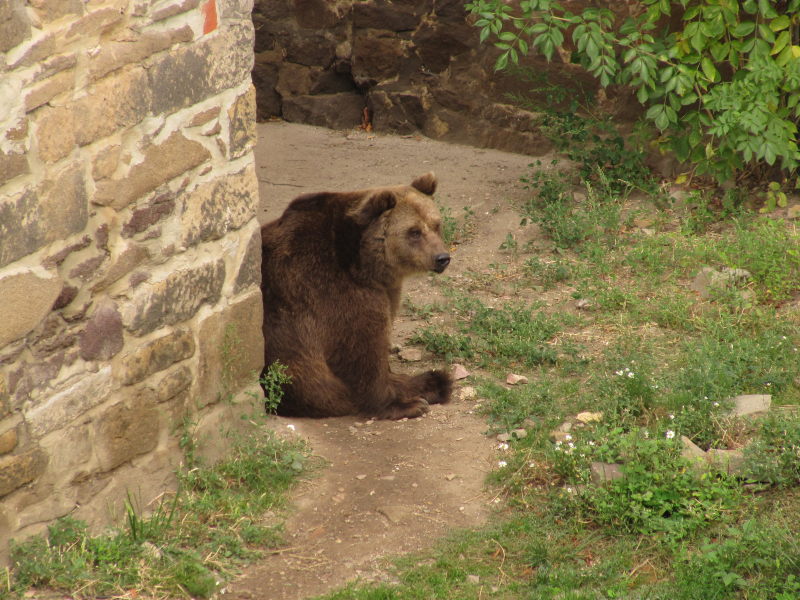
{"x":413,"y":66}
{"x":129,"y":247}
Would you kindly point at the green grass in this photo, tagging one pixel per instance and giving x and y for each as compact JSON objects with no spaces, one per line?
{"x":659,"y":362}
{"x":192,"y":541}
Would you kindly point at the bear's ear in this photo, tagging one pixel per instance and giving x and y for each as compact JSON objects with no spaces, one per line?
{"x":425,"y":183}
{"x":372,"y":207}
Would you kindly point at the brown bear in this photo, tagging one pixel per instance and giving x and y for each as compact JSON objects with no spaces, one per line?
{"x":332,"y":269}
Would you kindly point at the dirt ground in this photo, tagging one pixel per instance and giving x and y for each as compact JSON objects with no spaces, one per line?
{"x":388,"y":488}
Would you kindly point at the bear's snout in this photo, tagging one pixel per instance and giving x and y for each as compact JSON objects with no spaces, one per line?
{"x":440,"y":262}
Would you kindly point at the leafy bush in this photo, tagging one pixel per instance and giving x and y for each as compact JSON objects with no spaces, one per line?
{"x":721,"y":80}
{"x":774,"y":456}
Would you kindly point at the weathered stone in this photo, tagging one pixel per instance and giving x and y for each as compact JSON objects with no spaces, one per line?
{"x":87,"y":268}
{"x":55,"y":132}
{"x":437,"y":43}
{"x":265,"y":77}
{"x":116,"y":54}
{"x":156,"y":356}
{"x":48,"y":89}
{"x":589,"y":417}
{"x":250,"y":266}
{"x":335,"y":111}
{"x":204,"y":117}
{"x":67,"y":295}
{"x":175,"y":298}
{"x":128,"y":260}
{"x":397,"y":111}
{"x":28,"y":297}
{"x":514,"y":379}
{"x":316,"y":14}
{"x":604,"y":472}
{"x":750,"y":404}
{"x":693,"y":453}
{"x":55,"y":260}
{"x":43,"y":48}
{"x":376,"y":56}
{"x":171,"y":10}
{"x":173,"y":383}
{"x":106,"y":162}
{"x":196,"y":72}
{"x":59,"y":409}
{"x":96,"y":22}
{"x":729,"y":461}
{"x":460,"y":372}
{"x":367,"y":15}
{"x":231,"y":349}
{"x":126,"y":430}
{"x":12,"y":165}
{"x":102,"y":337}
{"x":219,"y":206}
{"x":8,"y":441}
{"x":69,"y":449}
{"x":14,"y":24}
{"x":161,"y":163}
{"x":242,"y":129}
{"x":48,"y":11}
{"x":143,"y":218}
{"x":18,"y":469}
{"x":311,"y":48}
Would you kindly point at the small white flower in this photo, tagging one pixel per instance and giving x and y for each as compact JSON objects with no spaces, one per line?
{"x":672,"y":417}
{"x":591,"y":442}
{"x":532,"y":465}
{"x":716,"y":404}
{"x":670,"y":434}
{"x":620,"y":373}
{"x":502,"y":463}
{"x":646,"y":434}
{"x":558,"y":444}
{"x":630,"y":374}
{"x":571,"y":445}
{"x":705,"y":397}
{"x":568,"y":437}
{"x":502,"y":446}
{"x":291,"y":427}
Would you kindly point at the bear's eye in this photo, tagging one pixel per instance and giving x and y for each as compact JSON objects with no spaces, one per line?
{"x":415,"y":233}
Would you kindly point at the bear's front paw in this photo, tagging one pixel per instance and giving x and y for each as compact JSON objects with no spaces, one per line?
{"x":411,"y":409}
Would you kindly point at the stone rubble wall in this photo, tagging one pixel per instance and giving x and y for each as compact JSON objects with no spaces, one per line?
{"x":414,"y":65}
{"x":129,"y":247}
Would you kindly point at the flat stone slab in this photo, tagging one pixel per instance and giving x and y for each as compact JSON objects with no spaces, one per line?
{"x":750,"y":404}
{"x":603,"y":472}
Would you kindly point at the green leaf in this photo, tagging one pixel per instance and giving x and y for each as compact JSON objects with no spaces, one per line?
{"x":743,"y":29}
{"x":709,"y":70}
{"x":502,"y":62}
{"x":784,"y":38}
{"x":781,"y":23}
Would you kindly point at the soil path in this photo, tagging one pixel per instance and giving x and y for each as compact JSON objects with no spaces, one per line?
{"x":388,"y":487}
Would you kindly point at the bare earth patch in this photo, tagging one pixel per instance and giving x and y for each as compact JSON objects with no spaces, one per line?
{"x":387,"y":488}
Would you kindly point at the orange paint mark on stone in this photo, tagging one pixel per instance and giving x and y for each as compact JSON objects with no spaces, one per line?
{"x":210,"y":13}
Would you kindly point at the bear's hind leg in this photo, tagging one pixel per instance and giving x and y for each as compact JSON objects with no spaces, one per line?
{"x":315,"y":392}
{"x":414,"y":394}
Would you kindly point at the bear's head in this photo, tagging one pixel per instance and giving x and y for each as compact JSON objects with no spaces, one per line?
{"x":413,"y":230}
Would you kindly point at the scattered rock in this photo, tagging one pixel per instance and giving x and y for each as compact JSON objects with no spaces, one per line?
{"x":514,"y":379}
{"x":360,"y":477}
{"x":603,"y":472}
{"x":793,"y":212}
{"x":589,"y":417}
{"x":583,"y":304}
{"x":460,"y":372}
{"x":450,"y":476}
{"x":411,"y":354}
{"x":503,"y":437}
{"x":730,"y":461}
{"x":519,"y":433}
{"x":473,"y":579}
{"x":750,"y":404}
{"x":466,"y":393}
{"x":709,"y":280}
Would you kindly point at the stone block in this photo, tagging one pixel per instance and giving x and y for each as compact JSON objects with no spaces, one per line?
{"x":130,"y":258}
{"x":62,"y":407}
{"x":242,"y":127}
{"x":231,"y":349}
{"x":729,"y":461}
{"x":161,"y":163}
{"x":47,"y":10}
{"x":12,"y":165}
{"x":335,"y":111}
{"x":188,"y":75}
{"x":604,"y":472}
{"x":15,"y":27}
{"x":106,"y":162}
{"x":751,"y":404}
{"x":213,"y":209}
{"x":102,"y":337}
{"x":134,"y":49}
{"x":8,"y":441}
{"x":250,"y":266}
{"x":265,"y":77}
{"x":18,"y":469}
{"x":377,"y":56}
{"x":368,"y":15}
{"x":43,"y":48}
{"x":126,"y":430}
{"x":172,"y":383}
{"x":170,"y":10}
{"x":156,"y":355}
{"x":69,"y":449}
{"x":143,"y":218}
{"x":28,"y":297}
{"x":96,"y":22}
{"x":175,"y":298}
{"x":34,"y":218}
{"x":46,"y":90}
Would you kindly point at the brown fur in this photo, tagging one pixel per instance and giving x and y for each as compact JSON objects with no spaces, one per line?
{"x":332,"y":269}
